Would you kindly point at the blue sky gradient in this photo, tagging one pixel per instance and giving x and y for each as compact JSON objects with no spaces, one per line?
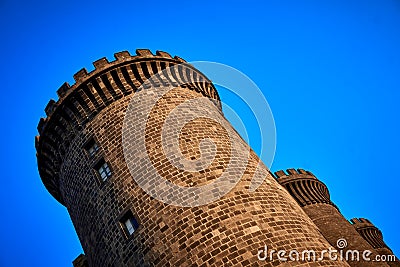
{"x":330,"y":71}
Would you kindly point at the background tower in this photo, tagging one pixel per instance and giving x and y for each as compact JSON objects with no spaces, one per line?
{"x":374,"y":237}
{"x":82,"y":164}
{"x":313,"y":196}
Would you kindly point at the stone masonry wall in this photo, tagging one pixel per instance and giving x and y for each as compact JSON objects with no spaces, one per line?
{"x":226,"y":232}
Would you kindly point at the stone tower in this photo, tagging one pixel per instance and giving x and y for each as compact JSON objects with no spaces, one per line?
{"x":313,"y":196}
{"x":374,"y":237}
{"x":83,"y":162}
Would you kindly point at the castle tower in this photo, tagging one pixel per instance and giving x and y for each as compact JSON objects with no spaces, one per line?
{"x":83,"y":163}
{"x":313,"y":196}
{"x":375,"y":238}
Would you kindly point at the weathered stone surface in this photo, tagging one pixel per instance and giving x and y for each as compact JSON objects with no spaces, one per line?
{"x":227,"y":232}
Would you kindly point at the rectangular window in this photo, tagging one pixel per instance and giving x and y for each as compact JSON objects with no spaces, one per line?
{"x":91,"y":147}
{"x":129,"y":223}
{"x":104,"y":170}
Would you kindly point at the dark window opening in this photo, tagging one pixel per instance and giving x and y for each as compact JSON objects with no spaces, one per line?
{"x":91,"y":147}
{"x":129,"y":223}
{"x":103,"y":170}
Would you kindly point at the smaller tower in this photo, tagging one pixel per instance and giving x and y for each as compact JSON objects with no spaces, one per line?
{"x":375,"y":238}
{"x":313,"y":196}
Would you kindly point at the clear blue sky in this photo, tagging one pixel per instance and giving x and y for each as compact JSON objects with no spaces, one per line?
{"x":330,"y":71}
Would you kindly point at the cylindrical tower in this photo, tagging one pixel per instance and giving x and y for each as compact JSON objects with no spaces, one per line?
{"x":84,"y":165}
{"x":313,"y":196}
{"x":375,"y":238}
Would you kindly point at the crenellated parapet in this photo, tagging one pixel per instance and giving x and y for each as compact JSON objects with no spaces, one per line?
{"x":369,"y":232}
{"x":303,"y":186}
{"x":313,"y":196}
{"x":95,"y":90}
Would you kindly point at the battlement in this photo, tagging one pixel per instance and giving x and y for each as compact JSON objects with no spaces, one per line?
{"x":360,"y":222}
{"x":122,"y":57}
{"x":293,"y":172}
{"x":303,"y":186}
{"x":95,"y":90}
{"x":369,"y":232}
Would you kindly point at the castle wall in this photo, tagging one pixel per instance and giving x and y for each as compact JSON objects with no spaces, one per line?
{"x":314,"y":198}
{"x":375,"y":238}
{"x":226,"y":232}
